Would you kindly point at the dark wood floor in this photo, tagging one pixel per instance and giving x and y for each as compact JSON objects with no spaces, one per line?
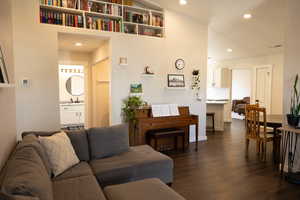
{"x":220,"y":170}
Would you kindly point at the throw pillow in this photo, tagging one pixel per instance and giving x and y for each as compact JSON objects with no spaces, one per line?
{"x":60,"y":152}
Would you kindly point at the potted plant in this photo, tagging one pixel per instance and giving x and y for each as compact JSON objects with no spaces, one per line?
{"x":196,"y":82}
{"x":293,"y":118}
{"x":130,"y":104}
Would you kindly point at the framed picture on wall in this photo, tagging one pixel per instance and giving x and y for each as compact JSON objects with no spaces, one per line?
{"x":3,"y":71}
{"x":176,"y":80}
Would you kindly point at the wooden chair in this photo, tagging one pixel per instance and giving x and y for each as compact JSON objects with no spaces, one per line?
{"x":256,"y":130}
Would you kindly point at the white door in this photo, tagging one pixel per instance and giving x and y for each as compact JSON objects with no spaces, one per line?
{"x":263,"y":88}
{"x":101,"y":94}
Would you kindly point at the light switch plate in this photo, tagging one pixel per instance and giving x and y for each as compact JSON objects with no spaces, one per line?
{"x":25,"y":83}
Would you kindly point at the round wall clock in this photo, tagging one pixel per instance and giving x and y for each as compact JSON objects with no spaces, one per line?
{"x":180,"y":64}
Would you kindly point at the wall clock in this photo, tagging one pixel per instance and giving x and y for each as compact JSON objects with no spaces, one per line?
{"x":180,"y":64}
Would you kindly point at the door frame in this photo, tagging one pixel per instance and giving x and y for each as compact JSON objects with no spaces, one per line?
{"x":270,"y":67}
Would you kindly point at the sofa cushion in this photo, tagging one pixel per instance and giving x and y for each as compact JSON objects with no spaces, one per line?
{"x":4,"y":196}
{"x":60,"y":152}
{"x":138,"y":163}
{"x":81,"y":169}
{"x":32,"y":141}
{"x":80,"y":188}
{"x":78,"y":139}
{"x":26,"y":175}
{"x":147,"y":189}
{"x":108,"y":141}
{"x":80,"y":143}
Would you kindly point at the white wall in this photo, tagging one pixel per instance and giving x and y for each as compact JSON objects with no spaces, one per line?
{"x":37,"y":57}
{"x":7,"y":95}
{"x":292,"y":51}
{"x":160,"y":55}
{"x":241,"y":83}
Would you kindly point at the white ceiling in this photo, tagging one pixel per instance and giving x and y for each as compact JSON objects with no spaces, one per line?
{"x":89,"y":43}
{"x":228,"y":29}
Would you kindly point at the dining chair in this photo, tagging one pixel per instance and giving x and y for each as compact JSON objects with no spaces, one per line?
{"x":256,"y":129}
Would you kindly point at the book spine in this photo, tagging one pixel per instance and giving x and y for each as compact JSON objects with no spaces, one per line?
{"x":64,"y":3}
{"x":76,"y":20}
{"x":64,"y":19}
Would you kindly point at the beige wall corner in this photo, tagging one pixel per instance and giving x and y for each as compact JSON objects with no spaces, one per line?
{"x":292,"y":50}
{"x":7,"y":95}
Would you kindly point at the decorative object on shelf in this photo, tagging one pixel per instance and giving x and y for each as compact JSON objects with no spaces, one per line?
{"x":123,"y":61}
{"x":180,"y":64}
{"x":196,"y":81}
{"x":136,"y":88}
{"x":128,"y":2}
{"x":176,"y":80}
{"x":294,"y":118}
{"x":3,"y":70}
{"x":148,"y":71}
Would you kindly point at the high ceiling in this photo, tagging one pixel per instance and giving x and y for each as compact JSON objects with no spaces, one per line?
{"x":228,"y":29}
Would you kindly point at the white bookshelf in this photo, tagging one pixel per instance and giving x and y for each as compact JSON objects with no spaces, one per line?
{"x":143,"y":8}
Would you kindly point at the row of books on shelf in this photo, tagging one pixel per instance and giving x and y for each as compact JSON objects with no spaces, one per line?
{"x":114,"y":1}
{"x":101,"y":24}
{"x":148,"y":19}
{"x":60,"y":3}
{"x":105,"y":8}
{"x":151,"y":32}
{"x":52,"y":17}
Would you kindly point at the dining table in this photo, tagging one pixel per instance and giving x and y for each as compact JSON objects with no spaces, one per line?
{"x":273,"y":121}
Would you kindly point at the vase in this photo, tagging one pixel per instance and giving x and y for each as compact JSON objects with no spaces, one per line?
{"x":293,"y":120}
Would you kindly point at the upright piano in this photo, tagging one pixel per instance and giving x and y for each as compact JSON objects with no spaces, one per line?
{"x":146,"y":122}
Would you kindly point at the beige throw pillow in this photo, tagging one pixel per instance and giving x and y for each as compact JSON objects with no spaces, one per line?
{"x":60,"y":152}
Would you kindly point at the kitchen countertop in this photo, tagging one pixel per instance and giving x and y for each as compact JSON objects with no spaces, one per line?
{"x":216,"y":102}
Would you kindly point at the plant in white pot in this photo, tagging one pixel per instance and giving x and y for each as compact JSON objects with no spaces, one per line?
{"x":294,"y":117}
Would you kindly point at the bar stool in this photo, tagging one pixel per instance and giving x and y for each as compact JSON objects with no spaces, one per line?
{"x":212,"y":116}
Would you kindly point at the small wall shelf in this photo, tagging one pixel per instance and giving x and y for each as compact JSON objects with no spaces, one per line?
{"x":148,"y":75}
{"x":5,"y":85}
{"x":176,"y":88}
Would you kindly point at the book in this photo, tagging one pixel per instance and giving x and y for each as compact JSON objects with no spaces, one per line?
{"x":65,"y":3}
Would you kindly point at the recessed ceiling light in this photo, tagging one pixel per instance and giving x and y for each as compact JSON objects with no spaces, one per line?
{"x":78,"y":44}
{"x":229,"y":50}
{"x":247,"y":16}
{"x":182,"y":2}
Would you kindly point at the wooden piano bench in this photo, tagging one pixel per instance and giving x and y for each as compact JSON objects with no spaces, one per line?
{"x":166,"y":133}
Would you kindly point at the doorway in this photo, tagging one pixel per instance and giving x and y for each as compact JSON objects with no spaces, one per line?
{"x":91,"y":108}
{"x":241,"y":88}
{"x":101,"y":93}
{"x":71,"y":96}
{"x":263,"y":86}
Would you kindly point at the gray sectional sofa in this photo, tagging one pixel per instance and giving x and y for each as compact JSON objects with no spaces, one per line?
{"x":108,"y":169}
